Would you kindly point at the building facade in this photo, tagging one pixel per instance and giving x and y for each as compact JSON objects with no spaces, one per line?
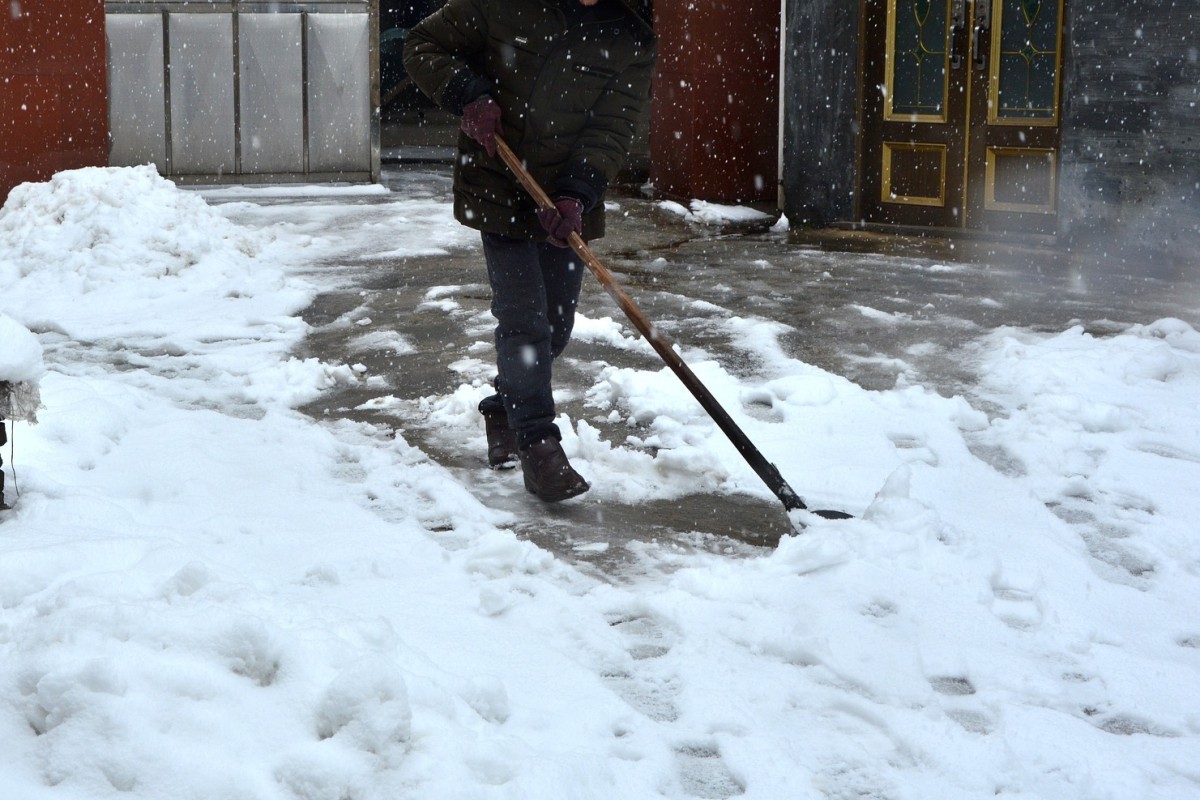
{"x":1050,"y":117}
{"x":1057,"y":119}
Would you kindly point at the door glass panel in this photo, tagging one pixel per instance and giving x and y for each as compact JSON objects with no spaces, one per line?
{"x":917,"y":58}
{"x":1027,"y":59}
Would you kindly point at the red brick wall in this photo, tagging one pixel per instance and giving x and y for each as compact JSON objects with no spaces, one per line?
{"x":714,"y":132}
{"x":53,"y":89}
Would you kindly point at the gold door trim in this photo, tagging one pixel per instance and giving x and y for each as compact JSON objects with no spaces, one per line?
{"x":889,"y":71}
{"x":997,"y":31}
{"x":888,"y":194}
{"x":994,"y":154}
{"x":963,"y":161}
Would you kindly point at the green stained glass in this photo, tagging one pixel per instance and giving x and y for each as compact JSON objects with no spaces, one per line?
{"x":1028,"y":59}
{"x":920,"y":60}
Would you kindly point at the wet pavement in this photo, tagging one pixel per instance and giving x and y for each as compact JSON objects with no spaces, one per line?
{"x":874,"y":308}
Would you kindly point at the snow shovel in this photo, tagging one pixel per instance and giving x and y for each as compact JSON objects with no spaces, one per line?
{"x":765,"y":469}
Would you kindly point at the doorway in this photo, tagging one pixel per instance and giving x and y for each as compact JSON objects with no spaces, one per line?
{"x":961,"y":113}
{"x":412,"y":127}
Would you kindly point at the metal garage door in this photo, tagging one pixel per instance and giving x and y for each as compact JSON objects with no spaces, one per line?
{"x":245,"y":91}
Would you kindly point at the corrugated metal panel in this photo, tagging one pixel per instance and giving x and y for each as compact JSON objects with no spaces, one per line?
{"x":136,"y":97}
{"x":271,"y":79}
{"x":339,"y":95}
{"x":201,"y":86}
{"x":244,"y":91}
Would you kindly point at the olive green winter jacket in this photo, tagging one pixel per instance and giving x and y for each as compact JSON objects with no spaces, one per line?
{"x":570,"y":95}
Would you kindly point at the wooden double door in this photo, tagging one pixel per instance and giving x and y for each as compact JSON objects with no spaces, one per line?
{"x":961,"y":109}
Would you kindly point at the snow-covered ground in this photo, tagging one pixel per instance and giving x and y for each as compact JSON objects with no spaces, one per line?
{"x":205,"y":594}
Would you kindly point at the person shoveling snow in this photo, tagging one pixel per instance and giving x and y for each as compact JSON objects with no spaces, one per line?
{"x":573,"y":110}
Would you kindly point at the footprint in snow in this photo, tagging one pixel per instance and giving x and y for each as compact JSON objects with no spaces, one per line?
{"x":1114,"y":552}
{"x":650,"y":688}
{"x":644,"y":684}
{"x":914,"y":449}
{"x":1167,"y":450}
{"x":952,"y":685}
{"x":970,"y":719}
{"x":1017,"y":608}
{"x":703,"y":773}
{"x":879,"y":608}
{"x":848,"y":781}
{"x":1131,"y":725}
{"x":1116,"y":562}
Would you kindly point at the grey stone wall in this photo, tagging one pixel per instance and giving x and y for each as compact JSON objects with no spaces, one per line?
{"x":1130,"y":176}
{"x":820,"y":151}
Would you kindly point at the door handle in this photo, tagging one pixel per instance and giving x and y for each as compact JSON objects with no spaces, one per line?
{"x":979,"y":32}
{"x":958,"y":22}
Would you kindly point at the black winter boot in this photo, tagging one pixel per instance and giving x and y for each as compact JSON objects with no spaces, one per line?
{"x":501,"y":440}
{"x":548,"y":474}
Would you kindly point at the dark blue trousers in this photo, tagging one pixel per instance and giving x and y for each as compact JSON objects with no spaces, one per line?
{"x":535,"y":289}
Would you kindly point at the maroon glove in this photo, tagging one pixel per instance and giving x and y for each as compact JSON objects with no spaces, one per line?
{"x":561,"y":221}
{"x":481,"y":121}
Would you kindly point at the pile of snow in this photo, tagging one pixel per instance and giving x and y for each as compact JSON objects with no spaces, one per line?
{"x":204,"y":594}
{"x":101,"y":253}
{"x":702,"y":212}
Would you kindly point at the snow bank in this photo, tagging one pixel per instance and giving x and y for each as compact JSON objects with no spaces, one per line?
{"x":20,"y":352}
{"x":703,"y":212}
{"x":105,"y":252}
